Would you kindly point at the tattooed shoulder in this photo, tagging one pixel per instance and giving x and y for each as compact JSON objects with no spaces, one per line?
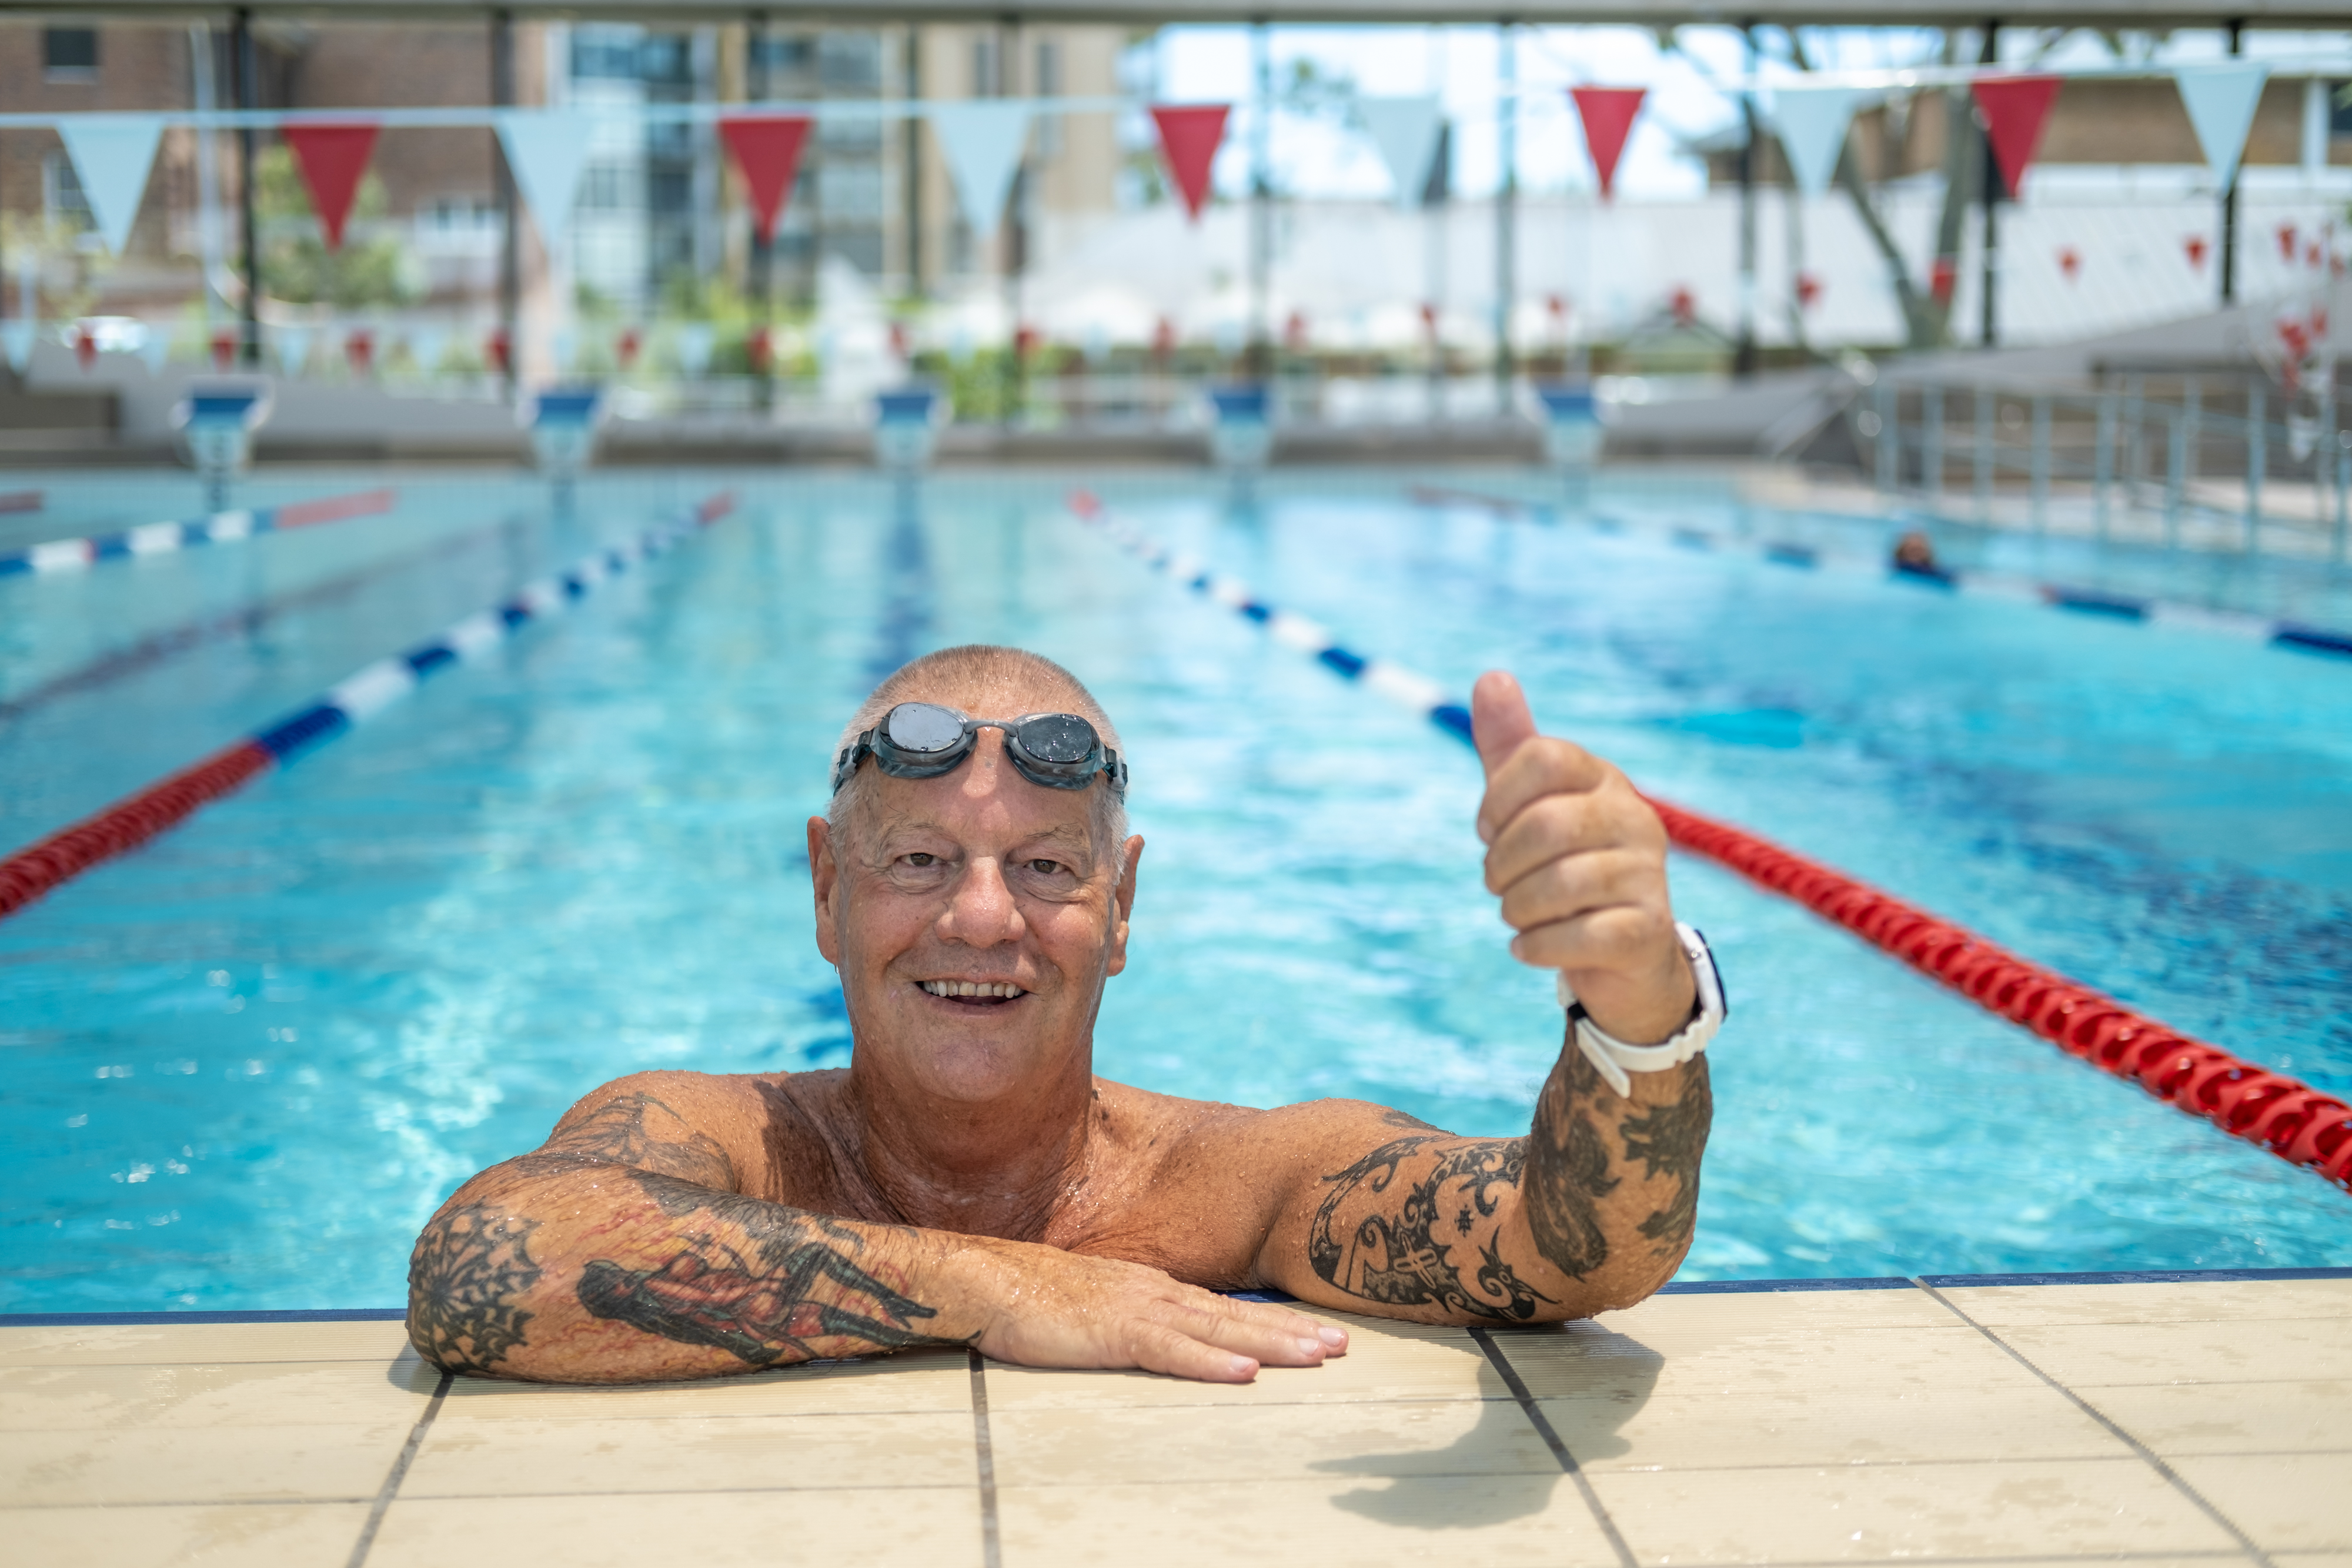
{"x":471,"y":1266}
{"x":640,"y":1129}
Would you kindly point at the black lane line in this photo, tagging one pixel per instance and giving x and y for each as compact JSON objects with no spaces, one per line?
{"x":992,"y":1553}
{"x":399,"y":1473}
{"x":1544,"y":1429}
{"x":2172,"y":1477}
{"x":148,"y":652}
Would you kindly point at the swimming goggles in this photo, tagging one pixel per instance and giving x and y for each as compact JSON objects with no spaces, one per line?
{"x":923,"y":741}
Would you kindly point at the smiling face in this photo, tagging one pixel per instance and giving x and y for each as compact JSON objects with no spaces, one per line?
{"x":973,"y":919}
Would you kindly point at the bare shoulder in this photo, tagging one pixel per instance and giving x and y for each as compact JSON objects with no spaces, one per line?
{"x":697,"y":1126}
{"x":1205,"y":1140}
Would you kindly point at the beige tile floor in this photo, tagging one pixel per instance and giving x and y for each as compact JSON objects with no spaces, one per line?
{"x":2153,"y":1423}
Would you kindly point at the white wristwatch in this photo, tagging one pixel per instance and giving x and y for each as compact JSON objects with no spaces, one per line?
{"x":1615,"y":1058}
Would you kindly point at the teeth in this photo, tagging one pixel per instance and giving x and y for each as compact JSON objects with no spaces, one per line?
{"x":1006,"y":989}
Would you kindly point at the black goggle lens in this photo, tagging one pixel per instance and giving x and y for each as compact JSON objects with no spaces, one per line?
{"x":1059,"y":737}
{"x":922,"y":726}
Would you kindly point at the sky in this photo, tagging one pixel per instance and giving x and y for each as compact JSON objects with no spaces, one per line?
{"x":1691,"y":88}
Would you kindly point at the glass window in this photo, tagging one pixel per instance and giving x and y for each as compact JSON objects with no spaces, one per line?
{"x":69,"y":54}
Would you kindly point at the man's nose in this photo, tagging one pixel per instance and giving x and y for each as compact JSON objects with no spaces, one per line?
{"x":982,"y":913}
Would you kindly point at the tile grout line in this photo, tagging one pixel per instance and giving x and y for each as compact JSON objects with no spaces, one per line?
{"x":1544,"y":1429}
{"x":399,"y":1472}
{"x":2172,"y":1477}
{"x":991,"y":1550}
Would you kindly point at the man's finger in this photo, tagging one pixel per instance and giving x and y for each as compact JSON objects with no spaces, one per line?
{"x":1500,"y":719}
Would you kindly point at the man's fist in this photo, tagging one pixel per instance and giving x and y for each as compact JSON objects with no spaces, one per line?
{"x":1579,"y":859}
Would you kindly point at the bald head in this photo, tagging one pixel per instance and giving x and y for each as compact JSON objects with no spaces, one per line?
{"x":983,"y":680}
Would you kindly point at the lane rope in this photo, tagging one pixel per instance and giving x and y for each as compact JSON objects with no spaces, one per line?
{"x":2295,"y":635}
{"x":2291,"y":1120}
{"x":30,"y":872}
{"x":61,"y":555}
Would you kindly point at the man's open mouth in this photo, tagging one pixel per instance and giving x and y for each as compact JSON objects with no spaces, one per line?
{"x":986,"y":993}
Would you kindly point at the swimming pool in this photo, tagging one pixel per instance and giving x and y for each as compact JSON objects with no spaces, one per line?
{"x":248,"y":1060}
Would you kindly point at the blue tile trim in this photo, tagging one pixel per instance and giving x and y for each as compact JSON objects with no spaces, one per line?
{"x":104,"y":1320}
{"x":1775,"y":1287}
{"x":2150,"y":1277}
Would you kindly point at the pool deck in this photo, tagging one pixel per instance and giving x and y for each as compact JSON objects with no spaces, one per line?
{"x":2145,"y":1421}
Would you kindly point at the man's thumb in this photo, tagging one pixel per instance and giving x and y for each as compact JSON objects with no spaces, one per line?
{"x":1500,"y":719}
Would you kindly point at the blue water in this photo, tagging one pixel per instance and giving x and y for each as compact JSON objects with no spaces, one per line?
{"x":247,"y":1061}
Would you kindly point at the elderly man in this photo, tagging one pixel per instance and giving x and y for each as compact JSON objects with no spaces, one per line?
{"x":968,"y":1180}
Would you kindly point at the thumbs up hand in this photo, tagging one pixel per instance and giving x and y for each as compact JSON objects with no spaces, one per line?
{"x":1579,"y":861}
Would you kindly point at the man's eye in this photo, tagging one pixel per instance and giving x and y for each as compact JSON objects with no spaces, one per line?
{"x":922,"y":857}
{"x":1045,"y":868}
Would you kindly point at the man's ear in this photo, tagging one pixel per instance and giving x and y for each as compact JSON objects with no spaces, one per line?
{"x":824,"y":874}
{"x":1122,"y":903}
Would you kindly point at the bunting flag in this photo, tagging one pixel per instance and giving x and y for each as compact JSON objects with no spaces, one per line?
{"x":1608,"y":115}
{"x":982,"y":139}
{"x":694,"y":341}
{"x":2220,"y":100}
{"x":1188,"y":144}
{"x":2015,"y":109}
{"x":16,"y":339}
{"x":331,"y":158}
{"x":292,"y":346}
{"x":111,"y":154}
{"x":767,"y":148}
{"x":546,"y":148}
{"x":1811,"y":122}
{"x":1404,"y":132}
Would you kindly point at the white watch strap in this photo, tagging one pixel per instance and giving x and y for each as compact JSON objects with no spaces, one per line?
{"x":1613,"y":1058}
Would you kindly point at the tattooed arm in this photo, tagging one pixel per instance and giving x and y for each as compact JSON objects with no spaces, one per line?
{"x":622,"y":1251}
{"x":1594,"y":1208}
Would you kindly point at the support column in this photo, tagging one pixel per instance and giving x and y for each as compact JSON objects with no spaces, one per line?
{"x":502,"y":96}
{"x":2237,"y":30}
{"x":248,"y":92}
{"x":1990,"y":54}
{"x":759,"y":86}
{"x":1259,"y":360}
{"x":912,"y":160}
{"x":1743,"y":359}
{"x":1016,"y":229}
{"x":1507,"y":209}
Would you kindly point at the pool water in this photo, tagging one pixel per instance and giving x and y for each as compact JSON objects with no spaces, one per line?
{"x":247,"y":1061}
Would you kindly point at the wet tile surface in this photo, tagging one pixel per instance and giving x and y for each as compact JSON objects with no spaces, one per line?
{"x":2196,"y":1423}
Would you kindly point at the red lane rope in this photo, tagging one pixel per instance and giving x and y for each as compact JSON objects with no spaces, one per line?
{"x":128,"y":824}
{"x":334,"y":509}
{"x":2291,"y":1120}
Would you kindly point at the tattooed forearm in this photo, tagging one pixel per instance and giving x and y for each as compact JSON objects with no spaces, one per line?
{"x":1568,"y":1172}
{"x":782,"y":1282}
{"x":640,"y":1130}
{"x":1403,"y":1254}
{"x":471,"y":1269}
{"x":1669,"y":1142}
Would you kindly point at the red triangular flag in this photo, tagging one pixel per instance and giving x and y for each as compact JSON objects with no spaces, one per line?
{"x":1608,"y":114}
{"x":331,"y":158}
{"x":2015,"y":109}
{"x":767,"y":148}
{"x":1188,"y":141}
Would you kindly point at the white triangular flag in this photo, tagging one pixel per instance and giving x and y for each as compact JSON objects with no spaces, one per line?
{"x":16,"y":338}
{"x":111,"y":154}
{"x":1811,"y":123}
{"x":2221,"y":101}
{"x":1404,"y":132}
{"x":547,"y":149}
{"x":982,"y":139}
{"x":292,"y":346}
{"x":694,"y":341}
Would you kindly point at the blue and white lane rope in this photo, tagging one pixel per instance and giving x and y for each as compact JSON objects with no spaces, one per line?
{"x":33,"y":871}
{"x":59,"y":556}
{"x":1983,"y":584}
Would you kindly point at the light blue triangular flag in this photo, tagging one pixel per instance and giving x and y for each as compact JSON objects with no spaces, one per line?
{"x":292,"y":346}
{"x":547,"y":149}
{"x":16,"y":338}
{"x":2220,"y":100}
{"x":1404,"y":132}
{"x":111,"y":154}
{"x":982,"y":139}
{"x":1811,"y":123}
{"x":156,"y":350}
{"x":694,"y":341}
{"x":425,"y":346}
